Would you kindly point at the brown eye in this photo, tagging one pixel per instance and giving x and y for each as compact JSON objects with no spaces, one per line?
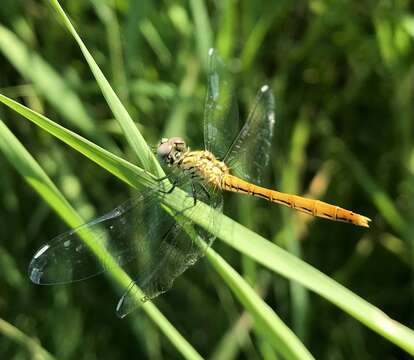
{"x":163,"y":150}
{"x":181,"y":146}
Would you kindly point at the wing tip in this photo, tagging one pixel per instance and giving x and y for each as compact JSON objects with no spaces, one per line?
{"x":37,"y":266}
{"x":35,"y":274}
{"x":265,"y":88}
{"x":121,"y":314}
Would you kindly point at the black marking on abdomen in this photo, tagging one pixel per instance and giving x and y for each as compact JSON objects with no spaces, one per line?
{"x":238,"y":189}
{"x":262,"y":196}
{"x":287,"y":203}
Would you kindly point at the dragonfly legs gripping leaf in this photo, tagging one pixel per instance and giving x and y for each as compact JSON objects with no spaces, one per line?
{"x":173,"y":185}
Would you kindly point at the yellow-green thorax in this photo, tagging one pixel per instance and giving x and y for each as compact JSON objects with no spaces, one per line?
{"x":204,"y":165}
{"x":198,"y":164}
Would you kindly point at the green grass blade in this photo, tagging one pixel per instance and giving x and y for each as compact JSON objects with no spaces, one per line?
{"x":46,"y":80}
{"x":408,"y":24}
{"x":154,"y":39}
{"x":267,"y":322}
{"x":203,"y":32}
{"x":290,"y":180}
{"x":33,"y":347}
{"x":50,"y":84}
{"x":255,"y":39}
{"x":35,"y":176}
{"x":227,"y":30}
{"x":116,"y":165}
{"x":30,"y":170}
{"x":379,"y":197}
{"x":114,"y":39}
{"x":133,"y":136}
{"x":176,"y":122}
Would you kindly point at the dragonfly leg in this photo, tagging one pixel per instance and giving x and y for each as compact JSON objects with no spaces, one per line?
{"x":162,"y":178}
{"x":170,"y":190}
{"x":205,"y":190}
{"x":194,"y":192}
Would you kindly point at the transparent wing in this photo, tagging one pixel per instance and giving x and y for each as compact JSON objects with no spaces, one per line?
{"x":221,"y":118}
{"x":250,"y":152}
{"x":180,"y":248}
{"x":142,"y":236}
{"x":71,"y":256}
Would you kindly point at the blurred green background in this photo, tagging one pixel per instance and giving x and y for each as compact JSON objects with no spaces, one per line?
{"x":343,"y":78}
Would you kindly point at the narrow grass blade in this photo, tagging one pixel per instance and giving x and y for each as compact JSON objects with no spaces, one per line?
{"x":49,"y":83}
{"x":133,"y":136}
{"x":97,"y":154}
{"x":33,"y":347}
{"x":226,"y":38}
{"x":290,"y":184}
{"x":27,"y":166}
{"x":255,"y":39}
{"x":109,"y":18}
{"x":379,"y":197}
{"x":234,"y":340}
{"x":35,"y":176}
{"x":267,"y":322}
{"x":203,"y":32}
{"x":176,"y":123}
{"x":154,"y":39}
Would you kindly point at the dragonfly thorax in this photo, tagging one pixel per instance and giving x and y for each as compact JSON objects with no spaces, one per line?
{"x":200,"y":164}
{"x":205,"y":166}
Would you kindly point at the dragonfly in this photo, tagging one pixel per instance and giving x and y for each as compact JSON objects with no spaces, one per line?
{"x":154,"y":243}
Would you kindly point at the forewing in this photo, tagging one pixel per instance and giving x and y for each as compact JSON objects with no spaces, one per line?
{"x":250,"y":152}
{"x":113,"y":239}
{"x":221,"y":118}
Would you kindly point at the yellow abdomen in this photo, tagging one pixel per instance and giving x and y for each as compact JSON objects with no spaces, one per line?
{"x":309,"y":206}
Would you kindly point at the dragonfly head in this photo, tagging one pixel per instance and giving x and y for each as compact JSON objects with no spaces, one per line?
{"x":171,"y":150}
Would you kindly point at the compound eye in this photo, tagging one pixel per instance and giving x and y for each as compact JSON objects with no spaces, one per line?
{"x":179,"y":143}
{"x":181,"y":146}
{"x":164,"y":149}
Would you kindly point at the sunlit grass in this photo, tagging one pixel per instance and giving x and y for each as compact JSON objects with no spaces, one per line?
{"x":343,"y":96}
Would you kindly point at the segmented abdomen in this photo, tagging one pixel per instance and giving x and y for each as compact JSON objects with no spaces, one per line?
{"x":309,"y":206}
